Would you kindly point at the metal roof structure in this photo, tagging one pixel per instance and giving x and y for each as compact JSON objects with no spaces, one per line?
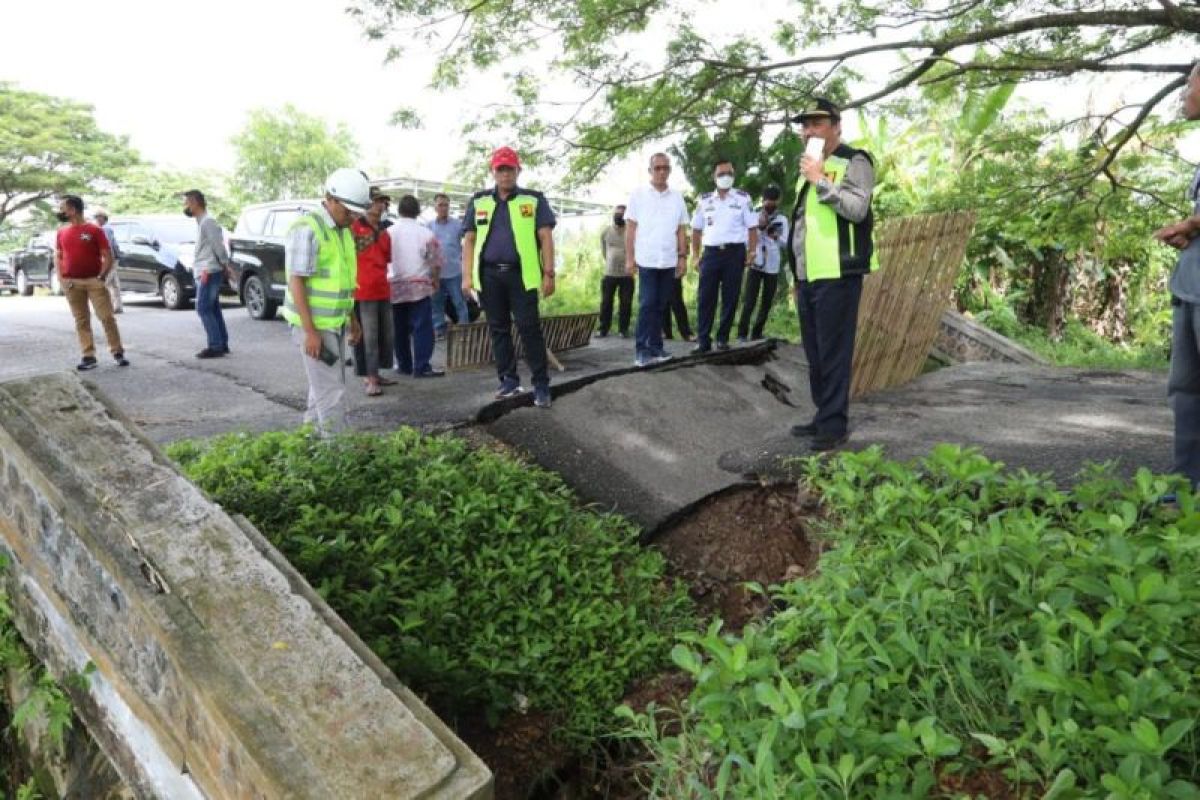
{"x":459,"y":194}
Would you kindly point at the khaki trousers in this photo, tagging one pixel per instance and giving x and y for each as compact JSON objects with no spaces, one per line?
{"x":81,"y":291}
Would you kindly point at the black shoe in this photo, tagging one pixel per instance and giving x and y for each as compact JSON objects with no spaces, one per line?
{"x":601,"y":334}
{"x":722,"y":346}
{"x":208,"y":352}
{"x":225,"y":351}
{"x":121,"y":360}
{"x":430,"y":372}
{"x":824,"y":442}
{"x":805,"y":429}
{"x":86,"y":363}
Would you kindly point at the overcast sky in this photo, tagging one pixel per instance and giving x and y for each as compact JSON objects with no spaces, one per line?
{"x":179,"y":78}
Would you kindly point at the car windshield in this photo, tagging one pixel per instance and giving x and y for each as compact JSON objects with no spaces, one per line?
{"x":182,"y":231}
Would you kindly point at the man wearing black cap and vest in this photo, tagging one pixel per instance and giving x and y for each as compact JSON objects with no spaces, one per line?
{"x":830,"y":248}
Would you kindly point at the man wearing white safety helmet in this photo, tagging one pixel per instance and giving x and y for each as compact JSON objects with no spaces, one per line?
{"x":322,"y":267}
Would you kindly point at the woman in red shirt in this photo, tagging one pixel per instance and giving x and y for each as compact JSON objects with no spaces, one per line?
{"x":372,"y":297}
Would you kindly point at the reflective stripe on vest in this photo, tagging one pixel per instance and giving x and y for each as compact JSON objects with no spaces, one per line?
{"x":331,"y":286}
{"x":831,"y":246}
{"x":522,"y":214}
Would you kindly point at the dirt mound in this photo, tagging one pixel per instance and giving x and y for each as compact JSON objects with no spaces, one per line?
{"x":749,"y":534}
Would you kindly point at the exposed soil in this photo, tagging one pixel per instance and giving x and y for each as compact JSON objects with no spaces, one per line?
{"x":757,"y":534}
{"x":749,"y":534}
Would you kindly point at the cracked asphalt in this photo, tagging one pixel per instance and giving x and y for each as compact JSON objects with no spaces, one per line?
{"x":646,"y":443}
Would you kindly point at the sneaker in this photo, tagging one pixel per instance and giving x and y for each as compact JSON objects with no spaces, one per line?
{"x":541,"y":396}
{"x":661,"y":356}
{"x":509,"y":387}
{"x":643,"y":361}
{"x":86,"y":363}
{"x":722,"y":346}
{"x":824,"y":442}
{"x":624,"y":334}
{"x":601,"y":334}
{"x":700,"y":350}
{"x":431,"y":372}
{"x":804,"y":429}
{"x":121,"y":360}
{"x":742,"y":340}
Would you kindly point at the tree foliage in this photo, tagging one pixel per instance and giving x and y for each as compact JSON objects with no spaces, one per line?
{"x":288,"y":154}
{"x":51,"y":145}
{"x":761,"y":76}
{"x":151,"y":190}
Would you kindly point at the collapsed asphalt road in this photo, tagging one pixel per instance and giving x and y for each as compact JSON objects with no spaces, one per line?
{"x":646,"y":443}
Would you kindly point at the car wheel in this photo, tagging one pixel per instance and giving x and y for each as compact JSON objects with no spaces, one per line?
{"x":171,"y":292}
{"x":24,"y":288}
{"x":55,"y":283}
{"x":254,"y":296}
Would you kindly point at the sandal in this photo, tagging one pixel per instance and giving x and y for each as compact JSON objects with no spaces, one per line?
{"x":374,"y":390}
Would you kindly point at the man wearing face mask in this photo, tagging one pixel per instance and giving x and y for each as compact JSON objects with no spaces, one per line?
{"x":764,"y":273}
{"x":831,"y":247}
{"x":322,"y":266}
{"x":727,"y":226}
{"x":210,"y":264}
{"x":84,"y":260}
{"x":615,"y":280}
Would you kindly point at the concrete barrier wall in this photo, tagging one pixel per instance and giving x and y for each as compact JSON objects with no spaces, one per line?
{"x":220,"y":674}
{"x":961,"y":340}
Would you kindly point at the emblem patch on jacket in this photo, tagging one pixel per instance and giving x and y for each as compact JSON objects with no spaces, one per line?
{"x":526,"y":209}
{"x":481,"y":217}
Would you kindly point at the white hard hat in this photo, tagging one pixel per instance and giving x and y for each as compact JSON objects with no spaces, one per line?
{"x":350,"y":187}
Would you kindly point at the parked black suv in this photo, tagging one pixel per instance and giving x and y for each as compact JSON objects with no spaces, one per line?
{"x":256,"y":248}
{"x":8,"y":282}
{"x":33,"y":265}
{"x":155,"y":253}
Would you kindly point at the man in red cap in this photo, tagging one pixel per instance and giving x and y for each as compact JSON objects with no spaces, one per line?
{"x":508,"y":252}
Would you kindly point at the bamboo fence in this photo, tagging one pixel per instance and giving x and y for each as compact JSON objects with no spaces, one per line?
{"x":471,"y":345}
{"x":902,"y":304}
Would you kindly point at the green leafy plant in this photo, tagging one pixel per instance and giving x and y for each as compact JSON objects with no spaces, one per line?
{"x":967,"y":622}
{"x":475,"y":577}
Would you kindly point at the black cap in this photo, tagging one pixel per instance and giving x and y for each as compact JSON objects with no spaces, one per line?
{"x":819,"y":107}
{"x":375,"y":193}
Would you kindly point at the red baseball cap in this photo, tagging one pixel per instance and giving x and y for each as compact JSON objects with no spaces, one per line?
{"x":505,"y":157}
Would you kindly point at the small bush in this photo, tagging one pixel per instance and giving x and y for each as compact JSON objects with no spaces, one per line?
{"x":968,"y":623}
{"x":476,"y":578}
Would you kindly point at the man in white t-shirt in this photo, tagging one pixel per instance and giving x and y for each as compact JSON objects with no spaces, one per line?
{"x":656,"y":221}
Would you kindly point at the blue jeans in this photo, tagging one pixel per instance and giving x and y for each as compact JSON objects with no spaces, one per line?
{"x":412,"y":325}
{"x":656,"y":286}
{"x":208,"y":306}
{"x":450,"y":286}
{"x":1183,"y":387}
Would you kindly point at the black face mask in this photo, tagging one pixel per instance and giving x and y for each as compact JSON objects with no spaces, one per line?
{"x":61,"y":217}
{"x":187,"y":211}
{"x":618,"y":219}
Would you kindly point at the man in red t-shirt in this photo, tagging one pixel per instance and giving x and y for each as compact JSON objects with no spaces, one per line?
{"x":83,"y":260}
{"x":372,"y":296}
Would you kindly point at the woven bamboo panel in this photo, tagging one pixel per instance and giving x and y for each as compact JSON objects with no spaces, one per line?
{"x":471,"y":346}
{"x":902,"y":303}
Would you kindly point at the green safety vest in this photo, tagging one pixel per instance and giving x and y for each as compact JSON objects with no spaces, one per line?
{"x":331,"y":286}
{"x":835,"y":247}
{"x":522,"y":213}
